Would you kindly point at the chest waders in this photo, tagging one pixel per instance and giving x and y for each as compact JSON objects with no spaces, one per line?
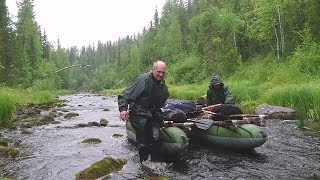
{"x":148,"y":125}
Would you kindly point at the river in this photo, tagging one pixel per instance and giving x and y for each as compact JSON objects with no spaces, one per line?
{"x":55,"y":151}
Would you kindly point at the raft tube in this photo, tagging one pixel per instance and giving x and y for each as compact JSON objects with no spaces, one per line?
{"x":245,"y":136}
{"x":173,"y":139}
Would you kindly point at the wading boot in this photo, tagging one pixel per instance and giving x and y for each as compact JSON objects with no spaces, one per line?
{"x":144,"y":153}
{"x":155,"y":151}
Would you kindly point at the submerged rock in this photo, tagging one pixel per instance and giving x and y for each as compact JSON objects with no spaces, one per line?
{"x":8,"y":152}
{"x":104,"y":122}
{"x":71,"y":115}
{"x":91,"y":141}
{"x":47,"y":119}
{"x":3,"y":143}
{"x":101,"y":168}
{"x":117,"y":135}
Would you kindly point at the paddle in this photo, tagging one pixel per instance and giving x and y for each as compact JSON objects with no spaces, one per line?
{"x":205,"y":124}
{"x":202,"y":123}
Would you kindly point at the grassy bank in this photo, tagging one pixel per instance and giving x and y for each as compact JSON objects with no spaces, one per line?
{"x":11,"y":99}
{"x":263,"y":81}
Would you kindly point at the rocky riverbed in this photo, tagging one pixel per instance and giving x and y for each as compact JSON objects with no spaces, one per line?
{"x":50,"y":140}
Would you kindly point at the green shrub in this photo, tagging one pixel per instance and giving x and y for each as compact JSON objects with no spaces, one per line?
{"x":191,"y":92}
{"x":40,"y":97}
{"x":306,"y":57}
{"x":46,"y":84}
{"x":189,"y":71}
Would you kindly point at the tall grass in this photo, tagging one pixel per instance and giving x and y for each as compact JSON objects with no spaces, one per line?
{"x":10,"y":99}
{"x":7,"y":108}
{"x":190,"y":92}
{"x":277,"y":83}
{"x":304,"y":98}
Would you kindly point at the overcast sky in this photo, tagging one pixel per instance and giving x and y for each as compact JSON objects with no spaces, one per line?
{"x":80,"y":22}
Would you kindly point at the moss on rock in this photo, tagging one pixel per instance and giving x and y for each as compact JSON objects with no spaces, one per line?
{"x":156,"y":178}
{"x":3,"y":143}
{"x":104,"y":122}
{"x":8,"y":152}
{"x":117,"y":135}
{"x":101,"y":168}
{"x":6,"y":178}
{"x":91,"y":141}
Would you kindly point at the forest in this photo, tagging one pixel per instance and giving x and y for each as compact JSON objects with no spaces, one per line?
{"x":267,"y":51}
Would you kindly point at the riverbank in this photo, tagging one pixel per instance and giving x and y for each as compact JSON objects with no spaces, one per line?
{"x":56,"y":151}
{"x":13,"y":99}
{"x":302,"y":97}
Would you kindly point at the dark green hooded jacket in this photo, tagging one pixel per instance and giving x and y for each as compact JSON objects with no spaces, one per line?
{"x":144,"y":95}
{"x":216,"y":96}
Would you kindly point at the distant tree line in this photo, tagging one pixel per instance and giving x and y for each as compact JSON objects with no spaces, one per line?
{"x":196,"y":38}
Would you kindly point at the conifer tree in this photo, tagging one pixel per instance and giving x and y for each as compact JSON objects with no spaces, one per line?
{"x":45,"y":46}
{"x":5,"y":43}
{"x":29,"y":44}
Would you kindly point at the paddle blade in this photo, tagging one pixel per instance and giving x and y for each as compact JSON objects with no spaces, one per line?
{"x":203,"y":123}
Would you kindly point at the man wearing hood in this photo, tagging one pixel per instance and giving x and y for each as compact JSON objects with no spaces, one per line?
{"x":218,"y":93}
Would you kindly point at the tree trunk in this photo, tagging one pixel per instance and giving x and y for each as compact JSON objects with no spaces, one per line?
{"x":277,"y":41}
{"x":281,"y":30}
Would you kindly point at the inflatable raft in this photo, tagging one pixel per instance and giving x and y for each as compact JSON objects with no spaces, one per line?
{"x":244,"y":133}
{"x":173,"y":139}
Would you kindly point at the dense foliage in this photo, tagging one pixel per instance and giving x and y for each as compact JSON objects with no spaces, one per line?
{"x":245,"y":41}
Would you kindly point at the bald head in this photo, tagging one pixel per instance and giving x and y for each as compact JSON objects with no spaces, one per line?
{"x":159,"y":70}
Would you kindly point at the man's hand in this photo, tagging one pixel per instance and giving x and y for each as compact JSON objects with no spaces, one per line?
{"x":124,"y":115}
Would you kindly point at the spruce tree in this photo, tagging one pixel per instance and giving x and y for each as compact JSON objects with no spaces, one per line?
{"x":6,"y":45}
{"x":29,"y":44}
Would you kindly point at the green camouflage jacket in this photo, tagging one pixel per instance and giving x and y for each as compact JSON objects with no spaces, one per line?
{"x":216,"y":96}
{"x":143,"y":95}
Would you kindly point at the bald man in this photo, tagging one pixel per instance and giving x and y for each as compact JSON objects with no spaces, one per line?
{"x":145,"y":96}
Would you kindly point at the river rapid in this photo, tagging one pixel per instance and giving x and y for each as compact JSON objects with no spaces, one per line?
{"x":55,"y":151}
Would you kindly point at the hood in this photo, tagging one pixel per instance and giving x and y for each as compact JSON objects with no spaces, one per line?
{"x":216,"y":79}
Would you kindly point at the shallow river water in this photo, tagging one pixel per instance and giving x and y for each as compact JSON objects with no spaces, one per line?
{"x":55,"y":151}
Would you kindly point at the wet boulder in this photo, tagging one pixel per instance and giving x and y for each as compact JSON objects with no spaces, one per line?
{"x":55,"y":113}
{"x":28,"y":112}
{"x":3,"y":143}
{"x":47,"y":119}
{"x":93,"y":123}
{"x":27,"y":125}
{"x":8,"y":152}
{"x":71,"y":115}
{"x":91,"y":141}
{"x":104,"y":122}
{"x":101,"y":168}
{"x":25,"y":131}
{"x":276,"y":112}
{"x":117,"y":135}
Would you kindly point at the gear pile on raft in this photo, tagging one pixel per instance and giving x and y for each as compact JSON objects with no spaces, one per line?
{"x":218,"y":126}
